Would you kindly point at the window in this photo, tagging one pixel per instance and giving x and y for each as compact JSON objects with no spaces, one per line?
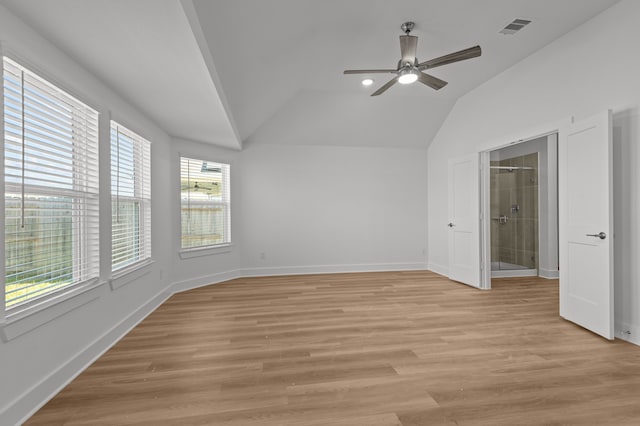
{"x":130,"y":197}
{"x":205,"y":203}
{"x":51,"y":188}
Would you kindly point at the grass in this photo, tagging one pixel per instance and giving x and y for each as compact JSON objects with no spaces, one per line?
{"x":22,"y":292}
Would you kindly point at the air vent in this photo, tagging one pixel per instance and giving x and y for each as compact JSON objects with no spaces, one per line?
{"x":515,"y":26}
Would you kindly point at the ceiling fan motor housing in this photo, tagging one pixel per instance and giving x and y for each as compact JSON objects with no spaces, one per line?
{"x":407,"y":27}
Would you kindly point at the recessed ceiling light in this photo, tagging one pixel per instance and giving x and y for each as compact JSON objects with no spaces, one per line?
{"x":367,"y":82}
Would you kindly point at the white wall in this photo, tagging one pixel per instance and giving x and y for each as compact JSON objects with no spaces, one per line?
{"x":35,"y":364}
{"x":329,"y":208}
{"x":590,"y":69}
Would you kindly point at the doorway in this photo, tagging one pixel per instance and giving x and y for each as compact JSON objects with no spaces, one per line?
{"x":521,"y":203}
{"x":514,"y":215}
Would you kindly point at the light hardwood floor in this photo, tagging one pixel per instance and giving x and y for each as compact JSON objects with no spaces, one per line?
{"x":374,"y":349}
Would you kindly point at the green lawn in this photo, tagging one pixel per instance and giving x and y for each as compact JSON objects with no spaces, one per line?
{"x":22,"y":292}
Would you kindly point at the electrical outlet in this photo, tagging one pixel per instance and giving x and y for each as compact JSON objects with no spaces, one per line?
{"x":263,"y":256}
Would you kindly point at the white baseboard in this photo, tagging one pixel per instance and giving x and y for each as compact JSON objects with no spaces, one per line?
{"x":628,"y":332}
{"x":438,"y":269}
{"x":550,"y":274}
{"x":22,"y":407}
{"x":205,"y":280}
{"x":330,"y":269}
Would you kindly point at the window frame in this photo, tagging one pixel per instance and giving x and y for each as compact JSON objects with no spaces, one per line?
{"x":25,"y":316}
{"x":209,"y":249}
{"x":142,"y":194}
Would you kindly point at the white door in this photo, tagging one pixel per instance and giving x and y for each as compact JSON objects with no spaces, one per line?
{"x":586,"y":224}
{"x":464,"y":221}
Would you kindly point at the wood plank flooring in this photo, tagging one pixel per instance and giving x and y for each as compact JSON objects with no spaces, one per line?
{"x":374,"y":349}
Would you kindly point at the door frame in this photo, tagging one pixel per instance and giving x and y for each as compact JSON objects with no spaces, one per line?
{"x":485,"y":191}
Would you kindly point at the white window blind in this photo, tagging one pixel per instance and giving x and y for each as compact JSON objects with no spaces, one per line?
{"x":205,"y":203}
{"x":130,"y":197}
{"x":51,"y":187}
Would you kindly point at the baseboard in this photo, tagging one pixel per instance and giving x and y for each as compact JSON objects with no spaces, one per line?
{"x":438,"y":269}
{"x":550,"y":274}
{"x":628,"y":332}
{"x":48,"y":387}
{"x":330,"y":269}
{"x":205,"y":280}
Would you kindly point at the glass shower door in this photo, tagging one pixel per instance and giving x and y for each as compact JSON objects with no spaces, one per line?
{"x":514,"y":213}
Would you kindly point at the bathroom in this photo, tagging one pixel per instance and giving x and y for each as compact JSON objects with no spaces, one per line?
{"x":524,"y":209}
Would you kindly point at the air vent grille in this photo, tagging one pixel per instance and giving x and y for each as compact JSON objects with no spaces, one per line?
{"x":515,"y":26}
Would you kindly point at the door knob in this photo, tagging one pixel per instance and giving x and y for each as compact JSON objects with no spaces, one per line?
{"x":450,"y":225}
{"x":600,"y":235}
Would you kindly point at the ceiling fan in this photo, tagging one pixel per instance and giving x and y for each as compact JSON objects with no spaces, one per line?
{"x":197,"y":186}
{"x":409,"y":69}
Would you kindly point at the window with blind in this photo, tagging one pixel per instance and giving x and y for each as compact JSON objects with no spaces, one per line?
{"x":130,"y":197}
{"x":205,"y":203}
{"x":51,"y":188}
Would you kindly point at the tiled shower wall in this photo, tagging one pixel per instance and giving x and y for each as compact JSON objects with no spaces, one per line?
{"x":514,"y":194}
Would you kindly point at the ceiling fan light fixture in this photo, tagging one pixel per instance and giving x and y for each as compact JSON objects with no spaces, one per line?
{"x":367,"y":82}
{"x":408,"y":76}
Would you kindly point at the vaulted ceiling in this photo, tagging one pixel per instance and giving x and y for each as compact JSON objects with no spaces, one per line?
{"x":270,"y":71}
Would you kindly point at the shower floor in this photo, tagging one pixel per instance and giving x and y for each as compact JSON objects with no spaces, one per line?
{"x":500,"y":266}
{"x":504,"y":269}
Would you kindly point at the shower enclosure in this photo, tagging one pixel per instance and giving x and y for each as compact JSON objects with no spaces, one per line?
{"x":514,"y":215}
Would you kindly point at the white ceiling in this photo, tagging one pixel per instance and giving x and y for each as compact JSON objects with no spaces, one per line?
{"x":258,"y":71}
{"x":145,"y":51}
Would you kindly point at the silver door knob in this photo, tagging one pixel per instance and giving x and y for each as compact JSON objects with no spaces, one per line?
{"x":600,"y":235}
{"x":450,"y":225}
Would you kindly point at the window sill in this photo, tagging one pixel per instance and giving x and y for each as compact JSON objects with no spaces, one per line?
{"x":31,"y":317}
{"x":205,"y":251}
{"x":124,"y":276}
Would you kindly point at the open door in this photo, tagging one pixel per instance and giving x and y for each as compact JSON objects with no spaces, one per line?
{"x":586,"y":224}
{"x":464,"y":221}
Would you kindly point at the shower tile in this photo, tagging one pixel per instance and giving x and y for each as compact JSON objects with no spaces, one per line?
{"x":504,"y":202}
{"x":527,"y":206}
{"x":530,"y":234}
{"x":507,"y":255}
{"x":530,"y":160}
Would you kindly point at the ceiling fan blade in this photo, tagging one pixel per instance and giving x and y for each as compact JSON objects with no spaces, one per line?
{"x":408,"y":46}
{"x":388,"y":84}
{"x":368,"y":71}
{"x":431,"y":81}
{"x":462,"y":55}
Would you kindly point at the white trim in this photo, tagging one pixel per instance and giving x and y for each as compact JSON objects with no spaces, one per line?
{"x":205,"y":280}
{"x":438,"y":269}
{"x":485,"y":221}
{"x":55,"y":304}
{"x":550,"y":274}
{"x":205,"y":251}
{"x":628,"y":332}
{"x":130,"y":273}
{"x":331,"y":269}
{"x":495,"y":144}
{"x":48,"y":387}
